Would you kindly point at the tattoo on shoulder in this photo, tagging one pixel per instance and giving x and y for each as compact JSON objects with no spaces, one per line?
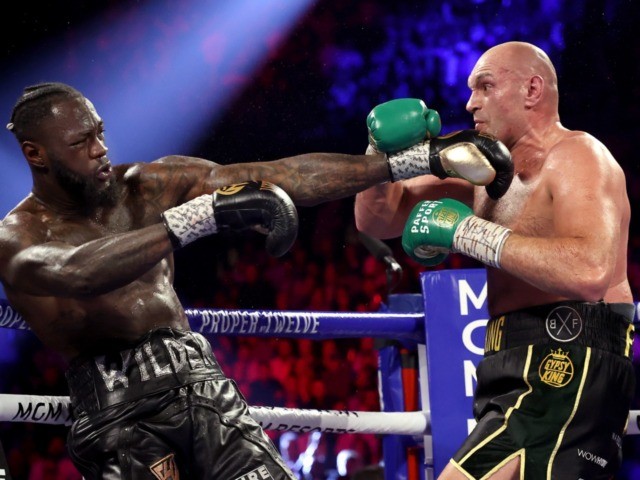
{"x":163,"y":185}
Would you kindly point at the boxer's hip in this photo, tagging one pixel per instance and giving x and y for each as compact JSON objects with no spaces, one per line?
{"x":597,"y":325}
{"x":162,"y":360}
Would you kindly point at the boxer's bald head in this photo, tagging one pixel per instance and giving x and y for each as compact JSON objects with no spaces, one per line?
{"x":514,"y":86}
{"x":523,"y":61}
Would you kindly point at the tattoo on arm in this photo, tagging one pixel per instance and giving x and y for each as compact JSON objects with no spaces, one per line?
{"x":164,"y":185}
{"x":319,"y":177}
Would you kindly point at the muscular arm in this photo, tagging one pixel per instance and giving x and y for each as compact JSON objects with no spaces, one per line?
{"x":589,"y":205}
{"x":381,"y":211}
{"x":309,"y":179}
{"x":313,"y":178}
{"x":63,"y":270}
{"x":32,"y":264}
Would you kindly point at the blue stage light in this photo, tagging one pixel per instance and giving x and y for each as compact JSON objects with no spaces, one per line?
{"x":159,"y":73}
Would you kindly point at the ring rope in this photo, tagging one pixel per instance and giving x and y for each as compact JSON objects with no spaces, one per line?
{"x":282,"y":323}
{"x":55,"y":410}
{"x":264,"y":323}
{"x":289,"y":324}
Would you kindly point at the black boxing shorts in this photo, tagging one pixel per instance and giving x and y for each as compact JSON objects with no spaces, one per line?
{"x":163,"y":410}
{"x":554,"y":388}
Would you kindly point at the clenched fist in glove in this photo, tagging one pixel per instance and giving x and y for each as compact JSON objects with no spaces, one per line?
{"x":401,"y":123}
{"x":477,"y":157}
{"x":237,"y":207}
{"x":436,"y":227}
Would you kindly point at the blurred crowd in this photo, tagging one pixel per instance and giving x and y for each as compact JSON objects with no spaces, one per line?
{"x":313,"y":93}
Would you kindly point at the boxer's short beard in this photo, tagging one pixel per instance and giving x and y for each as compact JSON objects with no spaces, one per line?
{"x":87,"y":191}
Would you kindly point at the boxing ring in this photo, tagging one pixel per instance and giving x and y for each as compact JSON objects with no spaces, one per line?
{"x":430,"y":346}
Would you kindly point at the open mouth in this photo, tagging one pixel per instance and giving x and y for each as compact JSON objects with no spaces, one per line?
{"x":105,"y":172}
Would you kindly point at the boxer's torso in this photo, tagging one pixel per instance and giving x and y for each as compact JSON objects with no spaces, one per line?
{"x":96,"y":322}
{"x":528,"y":209}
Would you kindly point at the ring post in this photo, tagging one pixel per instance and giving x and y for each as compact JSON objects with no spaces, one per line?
{"x":455,"y":321}
{"x":400,"y":453}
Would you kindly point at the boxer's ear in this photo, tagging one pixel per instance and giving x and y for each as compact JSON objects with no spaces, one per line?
{"x":535,"y":87}
{"x":34,"y":153}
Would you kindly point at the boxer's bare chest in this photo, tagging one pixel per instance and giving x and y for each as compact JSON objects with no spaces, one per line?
{"x":526,"y":208}
{"x":77,"y":230}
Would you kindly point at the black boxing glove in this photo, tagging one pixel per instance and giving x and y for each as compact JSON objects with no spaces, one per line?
{"x":477,"y":157}
{"x":237,"y":207}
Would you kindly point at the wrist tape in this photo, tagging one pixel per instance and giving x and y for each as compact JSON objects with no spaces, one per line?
{"x":409,"y":163}
{"x":480,"y":239}
{"x":190,"y":221}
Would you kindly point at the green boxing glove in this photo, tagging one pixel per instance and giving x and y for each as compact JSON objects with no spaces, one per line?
{"x":437,"y":227}
{"x":401,"y":123}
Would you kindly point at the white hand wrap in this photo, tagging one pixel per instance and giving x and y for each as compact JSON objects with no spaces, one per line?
{"x":461,"y":160}
{"x":191,"y":220}
{"x":480,"y":239}
{"x":409,"y":163}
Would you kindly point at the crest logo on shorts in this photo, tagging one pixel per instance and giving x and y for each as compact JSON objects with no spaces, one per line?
{"x":564,"y":324}
{"x":556,"y":369}
{"x":165,"y":468}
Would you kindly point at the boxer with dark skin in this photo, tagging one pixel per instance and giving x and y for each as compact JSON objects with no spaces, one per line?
{"x":91,"y":264}
{"x":86,"y":259}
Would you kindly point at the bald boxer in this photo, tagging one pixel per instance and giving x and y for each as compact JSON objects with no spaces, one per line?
{"x":86,"y":259}
{"x":555,"y":384}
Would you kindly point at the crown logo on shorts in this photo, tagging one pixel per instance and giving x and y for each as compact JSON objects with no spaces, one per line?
{"x":559,"y":354}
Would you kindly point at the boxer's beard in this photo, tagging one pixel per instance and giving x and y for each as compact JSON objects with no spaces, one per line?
{"x":87,"y":191}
